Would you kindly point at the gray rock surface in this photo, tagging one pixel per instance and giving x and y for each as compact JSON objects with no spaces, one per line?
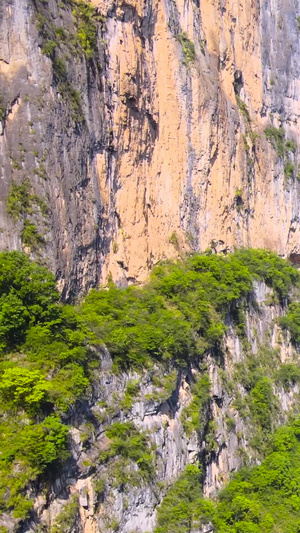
{"x":132,"y":508}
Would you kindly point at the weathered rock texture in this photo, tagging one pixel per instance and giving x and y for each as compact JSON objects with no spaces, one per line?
{"x":223,"y":445}
{"x":165,"y":155}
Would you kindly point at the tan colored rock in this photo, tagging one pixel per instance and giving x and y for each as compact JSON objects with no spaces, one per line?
{"x":171,"y":155}
{"x":183,"y":179}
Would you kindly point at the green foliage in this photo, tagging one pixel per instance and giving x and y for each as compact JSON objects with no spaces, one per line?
{"x":291,"y":146}
{"x":287,"y":375}
{"x":184,"y":508}
{"x":174,"y":239}
{"x":131,"y":445}
{"x":260,"y":499}
{"x":31,"y":237}
{"x":258,"y":404}
{"x":262,"y":403}
{"x":57,"y":44}
{"x":99,"y":486}
{"x":137,"y":326}
{"x":180,"y":313}
{"x":20,"y":387}
{"x":291,"y":322}
{"x":2,"y":108}
{"x":49,"y":48}
{"x":26,"y":451}
{"x":276,"y":137}
{"x":131,"y":393}
{"x":48,"y":351}
{"x":289,"y":168}
{"x":68,"y":384}
{"x":188,"y":47}
{"x":164,"y":385}
{"x":265,"y":498}
{"x":67,"y":518}
{"x":243,"y":108}
{"x":194,"y":415}
{"x":86,"y":21}
{"x":21,"y":203}
{"x":28,"y":295}
{"x":44,"y":366}
{"x":270,"y":268}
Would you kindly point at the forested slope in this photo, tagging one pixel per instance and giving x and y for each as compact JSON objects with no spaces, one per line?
{"x":66,"y":410}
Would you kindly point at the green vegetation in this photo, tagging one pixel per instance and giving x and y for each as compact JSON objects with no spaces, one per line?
{"x":31,"y":237}
{"x":38,"y":338}
{"x":2,"y":108}
{"x":21,"y":203}
{"x":67,"y":518}
{"x":291,"y":322}
{"x":184,"y":507}
{"x":289,"y":168}
{"x":22,"y":199}
{"x":243,"y":108}
{"x":277,"y":138}
{"x":258,"y":405}
{"x":58,"y":43}
{"x":283,"y":147}
{"x":131,"y":394}
{"x":180,"y":314}
{"x":26,"y":448}
{"x":49,"y":352}
{"x":49,"y":48}
{"x":262,"y":403}
{"x":164,"y":386}
{"x":188,"y":47}
{"x":174,"y":239}
{"x":86,"y":20}
{"x":261,"y":499}
{"x":265,"y":498}
{"x":291,"y":146}
{"x":194,"y":416}
{"x":128,"y":447}
{"x":287,"y":375}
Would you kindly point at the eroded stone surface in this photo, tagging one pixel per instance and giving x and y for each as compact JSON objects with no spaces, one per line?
{"x":169,"y":158}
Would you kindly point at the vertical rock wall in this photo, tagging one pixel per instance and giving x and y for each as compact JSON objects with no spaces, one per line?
{"x":166,"y":154}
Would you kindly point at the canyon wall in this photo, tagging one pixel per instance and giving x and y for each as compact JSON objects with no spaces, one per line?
{"x":90,"y":493}
{"x":154,"y":144}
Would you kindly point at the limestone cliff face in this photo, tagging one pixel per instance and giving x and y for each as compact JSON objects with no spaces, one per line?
{"x":206,"y":172}
{"x":223,"y":444}
{"x":146,"y":151}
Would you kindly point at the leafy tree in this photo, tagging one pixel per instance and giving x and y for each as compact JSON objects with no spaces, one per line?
{"x":21,"y":387}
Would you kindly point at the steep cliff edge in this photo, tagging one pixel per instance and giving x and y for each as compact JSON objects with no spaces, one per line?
{"x":142,"y":127}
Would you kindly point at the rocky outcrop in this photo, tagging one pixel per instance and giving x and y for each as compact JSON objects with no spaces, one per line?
{"x":91,"y":494}
{"x":233,"y":432}
{"x":151,"y":143}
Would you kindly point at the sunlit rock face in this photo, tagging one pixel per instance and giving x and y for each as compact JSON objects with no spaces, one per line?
{"x":161,"y":149}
